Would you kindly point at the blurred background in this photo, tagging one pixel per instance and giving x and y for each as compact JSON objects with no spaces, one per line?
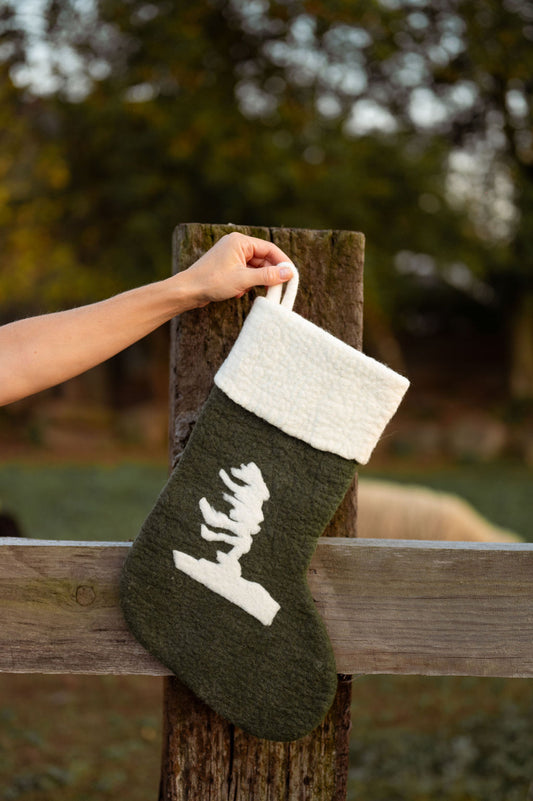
{"x":408,"y":120}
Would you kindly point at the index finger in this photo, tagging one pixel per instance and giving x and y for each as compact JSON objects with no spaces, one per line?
{"x":260,"y":251}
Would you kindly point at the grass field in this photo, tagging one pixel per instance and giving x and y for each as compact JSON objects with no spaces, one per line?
{"x":79,"y":501}
{"x":441,"y":739}
{"x":70,"y":738}
{"x":90,"y":502}
{"x":79,"y":738}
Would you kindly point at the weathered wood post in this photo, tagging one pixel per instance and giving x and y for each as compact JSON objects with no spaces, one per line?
{"x":205,"y":757}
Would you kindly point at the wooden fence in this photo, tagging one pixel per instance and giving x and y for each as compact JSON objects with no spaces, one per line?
{"x":398,"y":607}
{"x":394,"y":607}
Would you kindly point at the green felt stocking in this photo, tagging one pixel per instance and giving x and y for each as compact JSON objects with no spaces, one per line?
{"x":215,"y":583}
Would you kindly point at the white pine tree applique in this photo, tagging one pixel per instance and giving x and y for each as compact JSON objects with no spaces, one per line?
{"x":239,"y":527}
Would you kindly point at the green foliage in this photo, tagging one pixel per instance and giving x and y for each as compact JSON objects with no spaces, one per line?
{"x":246,"y":112}
{"x":408,"y":121}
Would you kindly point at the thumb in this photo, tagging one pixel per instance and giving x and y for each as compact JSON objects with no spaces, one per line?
{"x":271,"y":274}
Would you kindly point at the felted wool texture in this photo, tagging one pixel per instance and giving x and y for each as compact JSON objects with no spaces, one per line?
{"x":274,"y":681}
{"x":310,"y":384}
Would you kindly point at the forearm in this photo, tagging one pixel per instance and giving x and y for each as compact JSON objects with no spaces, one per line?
{"x":39,"y":352}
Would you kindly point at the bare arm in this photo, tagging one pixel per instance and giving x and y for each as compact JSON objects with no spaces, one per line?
{"x":39,"y":352}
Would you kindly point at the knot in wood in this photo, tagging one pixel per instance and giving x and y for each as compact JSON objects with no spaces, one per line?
{"x":85,"y":595}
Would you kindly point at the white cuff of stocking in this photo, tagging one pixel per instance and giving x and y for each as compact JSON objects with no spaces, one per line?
{"x":310,"y":384}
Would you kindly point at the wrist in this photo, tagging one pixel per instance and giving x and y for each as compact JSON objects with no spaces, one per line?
{"x":182,"y":294}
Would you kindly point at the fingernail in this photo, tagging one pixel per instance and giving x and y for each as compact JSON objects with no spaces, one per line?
{"x":285,"y":272}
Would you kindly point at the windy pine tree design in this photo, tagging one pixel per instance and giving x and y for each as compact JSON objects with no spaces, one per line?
{"x":224,"y":577}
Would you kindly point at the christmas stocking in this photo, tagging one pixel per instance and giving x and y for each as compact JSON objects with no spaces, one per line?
{"x":215,"y":584}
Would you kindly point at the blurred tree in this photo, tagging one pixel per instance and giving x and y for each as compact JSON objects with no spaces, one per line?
{"x":452,"y":80}
{"x":406,"y":119}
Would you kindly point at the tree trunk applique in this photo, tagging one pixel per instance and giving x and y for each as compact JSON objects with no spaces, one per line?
{"x":239,"y":527}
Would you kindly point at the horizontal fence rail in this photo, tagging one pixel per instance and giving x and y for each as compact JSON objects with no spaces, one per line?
{"x":390,"y":606}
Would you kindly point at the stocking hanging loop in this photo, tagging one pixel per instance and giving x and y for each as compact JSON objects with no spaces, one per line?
{"x":291,"y":288}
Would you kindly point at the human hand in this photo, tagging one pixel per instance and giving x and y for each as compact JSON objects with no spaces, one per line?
{"x":235,"y":264}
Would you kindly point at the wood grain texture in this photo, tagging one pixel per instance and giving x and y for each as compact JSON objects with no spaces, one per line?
{"x":330,"y":294}
{"x":427,"y":608}
{"x":60,"y":610}
{"x":216,"y":760}
{"x":389,"y":606}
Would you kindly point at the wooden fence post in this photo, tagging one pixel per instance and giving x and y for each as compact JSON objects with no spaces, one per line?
{"x":205,"y":757}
